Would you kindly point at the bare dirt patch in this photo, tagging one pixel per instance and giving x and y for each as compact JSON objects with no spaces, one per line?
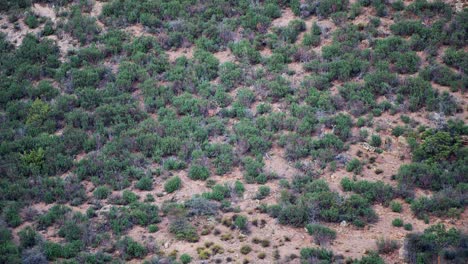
{"x":224,"y":56}
{"x":174,"y":54}
{"x":286,"y":17}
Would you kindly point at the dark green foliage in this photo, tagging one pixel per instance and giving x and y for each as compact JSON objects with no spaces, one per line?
{"x":397,"y":222}
{"x":375,"y":141}
{"x":245,"y":51}
{"x":328,"y":7}
{"x":31,"y":20}
{"x":396,"y":206}
{"x":378,"y":192}
{"x":253,"y":169}
{"x":222,"y":156}
{"x":185,"y":258}
{"x":173,"y":184}
{"x":81,"y":26}
{"x":219,"y":192}
{"x":241,"y":222}
{"x":115,"y":111}
{"x":322,"y":234}
{"x":55,"y":213}
{"x":198,"y":172}
{"x":436,"y":242}
{"x":354,"y":165}
{"x":12,"y":216}
{"x":9,"y":252}
{"x":145,"y":184}
{"x":54,"y":251}
{"x":310,"y":254}
{"x":230,"y":74}
{"x":406,"y":62}
{"x":456,"y":58}
{"x":371,"y":258}
{"x":131,"y":249}
{"x":263,"y":192}
{"x":28,"y":237}
{"x":317,"y":202}
{"x":289,"y":33}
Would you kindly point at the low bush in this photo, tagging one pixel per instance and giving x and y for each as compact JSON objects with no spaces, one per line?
{"x":408,"y":227}
{"x":145,"y":184}
{"x":397,"y":222}
{"x":436,"y":242}
{"x":310,"y":254}
{"x":354,"y":165}
{"x":386,"y":246}
{"x":198,"y":172}
{"x":173,"y":184}
{"x":241,"y":222}
{"x":185,"y":258}
{"x":130,"y":249}
{"x":322,"y":234}
{"x":183,"y":230}
{"x":201,"y":206}
{"x":263,"y":192}
{"x":396,"y":206}
{"x":245,"y":249}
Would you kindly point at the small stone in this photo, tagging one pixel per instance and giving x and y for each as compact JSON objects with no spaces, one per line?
{"x":343,"y":223}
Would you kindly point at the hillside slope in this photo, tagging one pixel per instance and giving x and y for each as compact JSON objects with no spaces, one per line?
{"x":233,"y":131}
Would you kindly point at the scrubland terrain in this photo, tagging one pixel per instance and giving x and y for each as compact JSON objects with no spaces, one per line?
{"x":217,"y":131}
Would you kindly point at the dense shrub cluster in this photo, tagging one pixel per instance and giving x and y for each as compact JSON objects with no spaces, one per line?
{"x":316,"y":202}
{"x":436,"y":243}
{"x":439,"y":165}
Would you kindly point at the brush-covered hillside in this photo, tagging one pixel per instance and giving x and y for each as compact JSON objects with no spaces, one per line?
{"x":233,"y":131}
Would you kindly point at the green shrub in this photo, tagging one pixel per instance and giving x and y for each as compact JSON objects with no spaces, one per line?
{"x":397,"y":222}
{"x":153,"y":228}
{"x":241,"y":222}
{"x":12,"y":216}
{"x":375,"y":141}
{"x":28,"y":237}
{"x":198,"y":172}
{"x":263,"y":192}
{"x":174,"y":164}
{"x":354,"y":165}
{"x":128,"y":197}
{"x":185,"y":258}
{"x":131,"y":249}
{"x":328,"y":7}
{"x":436,"y":242}
{"x":407,"y":62}
{"x":31,"y":20}
{"x":396,"y":206}
{"x":245,"y":51}
{"x":183,"y":230}
{"x":173,"y":184}
{"x":309,"y":254}
{"x":145,"y":184}
{"x":322,"y":234}
{"x":408,"y":227}
{"x":398,"y":131}
{"x":239,"y":187}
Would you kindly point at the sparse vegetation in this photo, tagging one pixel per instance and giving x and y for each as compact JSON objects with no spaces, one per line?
{"x":127,"y":124}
